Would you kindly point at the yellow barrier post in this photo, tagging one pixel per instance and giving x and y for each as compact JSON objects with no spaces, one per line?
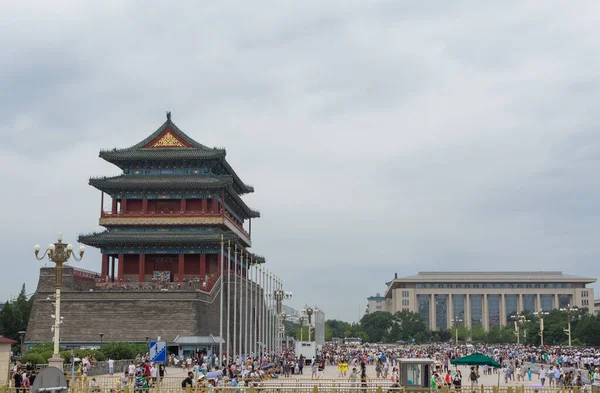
{"x":315,"y":389}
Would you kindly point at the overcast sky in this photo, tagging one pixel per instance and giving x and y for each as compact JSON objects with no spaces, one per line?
{"x":380,"y":136}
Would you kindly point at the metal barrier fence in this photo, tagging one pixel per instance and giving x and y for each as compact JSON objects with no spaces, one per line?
{"x":173,"y":385}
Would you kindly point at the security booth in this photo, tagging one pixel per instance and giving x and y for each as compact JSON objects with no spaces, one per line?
{"x":188,"y":345}
{"x":415,"y":372}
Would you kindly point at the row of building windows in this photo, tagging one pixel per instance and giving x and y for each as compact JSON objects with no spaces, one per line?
{"x":441,"y":304}
{"x":404,"y":293}
{"x":405,"y":302}
{"x":167,"y":171}
{"x":497,"y":285}
{"x":585,"y":302}
{"x":584,"y":293}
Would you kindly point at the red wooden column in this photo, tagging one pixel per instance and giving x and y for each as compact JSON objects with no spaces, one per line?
{"x":123,"y":205}
{"x":202,"y":267}
{"x":144,"y":205}
{"x":180,"y":268}
{"x":112,"y":269}
{"x":114,"y":206}
{"x":204,"y":204}
{"x":104,"y":272}
{"x":142,"y":268}
{"x":215,"y":205}
{"x":121,"y":266}
{"x":183,"y":204}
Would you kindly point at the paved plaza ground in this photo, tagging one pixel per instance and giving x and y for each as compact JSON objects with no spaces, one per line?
{"x":331,"y":372}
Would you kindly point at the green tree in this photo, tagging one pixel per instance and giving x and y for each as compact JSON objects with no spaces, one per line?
{"x":14,"y":316}
{"x":338,"y":328}
{"x":376,"y":325}
{"x":408,"y":326}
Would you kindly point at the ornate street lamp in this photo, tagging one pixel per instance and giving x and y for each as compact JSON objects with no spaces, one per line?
{"x":569,"y":310}
{"x":456,"y":321}
{"x":301,"y":326}
{"x":541,"y":314}
{"x":59,"y":253}
{"x":309,"y":313}
{"x":22,"y":337}
{"x":519,"y":320}
{"x":101,"y":335}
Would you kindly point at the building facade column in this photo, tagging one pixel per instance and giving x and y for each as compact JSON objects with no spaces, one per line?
{"x":112,"y":268}
{"x":180,"y":268}
{"x":114,"y":206}
{"x":104,"y":271}
{"x":503,"y":310}
{"x":556,"y":304}
{"x":215,"y":206}
{"x":142,"y":268}
{"x":123,"y":205}
{"x":520,"y":306}
{"x":202,"y":267}
{"x":467,"y":318}
{"x":432,"y":312}
{"x":538,"y":305}
{"x":121,"y":266}
{"x":485,"y":313}
{"x":183,"y":204}
{"x":450,"y":312}
{"x":144,"y":205}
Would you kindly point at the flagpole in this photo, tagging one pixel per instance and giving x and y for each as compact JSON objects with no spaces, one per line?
{"x":221,"y":312}
{"x":235,"y":311}
{"x":251,"y":328}
{"x":241,"y":304}
{"x":261,"y":277}
{"x":269,"y":300}
{"x":246,"y":309}
{"x":228,"y":299}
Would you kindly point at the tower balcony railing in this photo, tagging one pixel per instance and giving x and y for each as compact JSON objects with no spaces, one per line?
{"x":188,"y":284}
{"x":179,"y":213}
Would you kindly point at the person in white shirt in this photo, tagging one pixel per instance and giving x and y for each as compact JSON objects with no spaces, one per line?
{"x":542,"y":375}
{"x":111,"y":366}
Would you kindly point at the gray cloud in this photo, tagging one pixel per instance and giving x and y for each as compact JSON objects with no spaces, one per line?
{"x":381,"y":136}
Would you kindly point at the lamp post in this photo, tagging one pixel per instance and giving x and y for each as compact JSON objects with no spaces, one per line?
{"x":283,"y":335}
{"x":59,"y":253}
{"x":455,"y":321}
{"x":519,"y":319}
{"x":569,"y":310}
{"x":301,"y":327}
{"x":101,"y":335}
{"x":279,"y":295}
{"x":22,"y":337}
{"x":309,"y":313}
{"x":541,"y":314}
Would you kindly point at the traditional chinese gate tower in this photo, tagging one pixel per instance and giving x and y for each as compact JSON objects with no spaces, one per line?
{"x":171,"y":208}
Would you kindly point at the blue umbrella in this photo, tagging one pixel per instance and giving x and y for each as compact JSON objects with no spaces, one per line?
{"x":214,"y":374}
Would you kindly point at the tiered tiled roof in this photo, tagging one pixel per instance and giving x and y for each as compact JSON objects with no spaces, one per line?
{"x":193,"y":152}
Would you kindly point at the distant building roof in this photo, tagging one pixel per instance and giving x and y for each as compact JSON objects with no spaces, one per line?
{"x":489,"y":277}
{"x":376,"y":297}
{"x":198,"y":340}
{"x":540,"y":276}
{"x":4,"y":340}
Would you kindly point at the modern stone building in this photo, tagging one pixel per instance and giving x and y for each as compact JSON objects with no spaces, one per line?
{"x":375,"y":303}
{"x":597,"y":306}
{"x":486,"y":299}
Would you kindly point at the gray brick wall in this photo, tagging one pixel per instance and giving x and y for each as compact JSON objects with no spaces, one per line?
{"x":123,"y":315}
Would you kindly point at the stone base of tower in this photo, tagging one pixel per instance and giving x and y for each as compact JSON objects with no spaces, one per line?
{"x":120,"y":315}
